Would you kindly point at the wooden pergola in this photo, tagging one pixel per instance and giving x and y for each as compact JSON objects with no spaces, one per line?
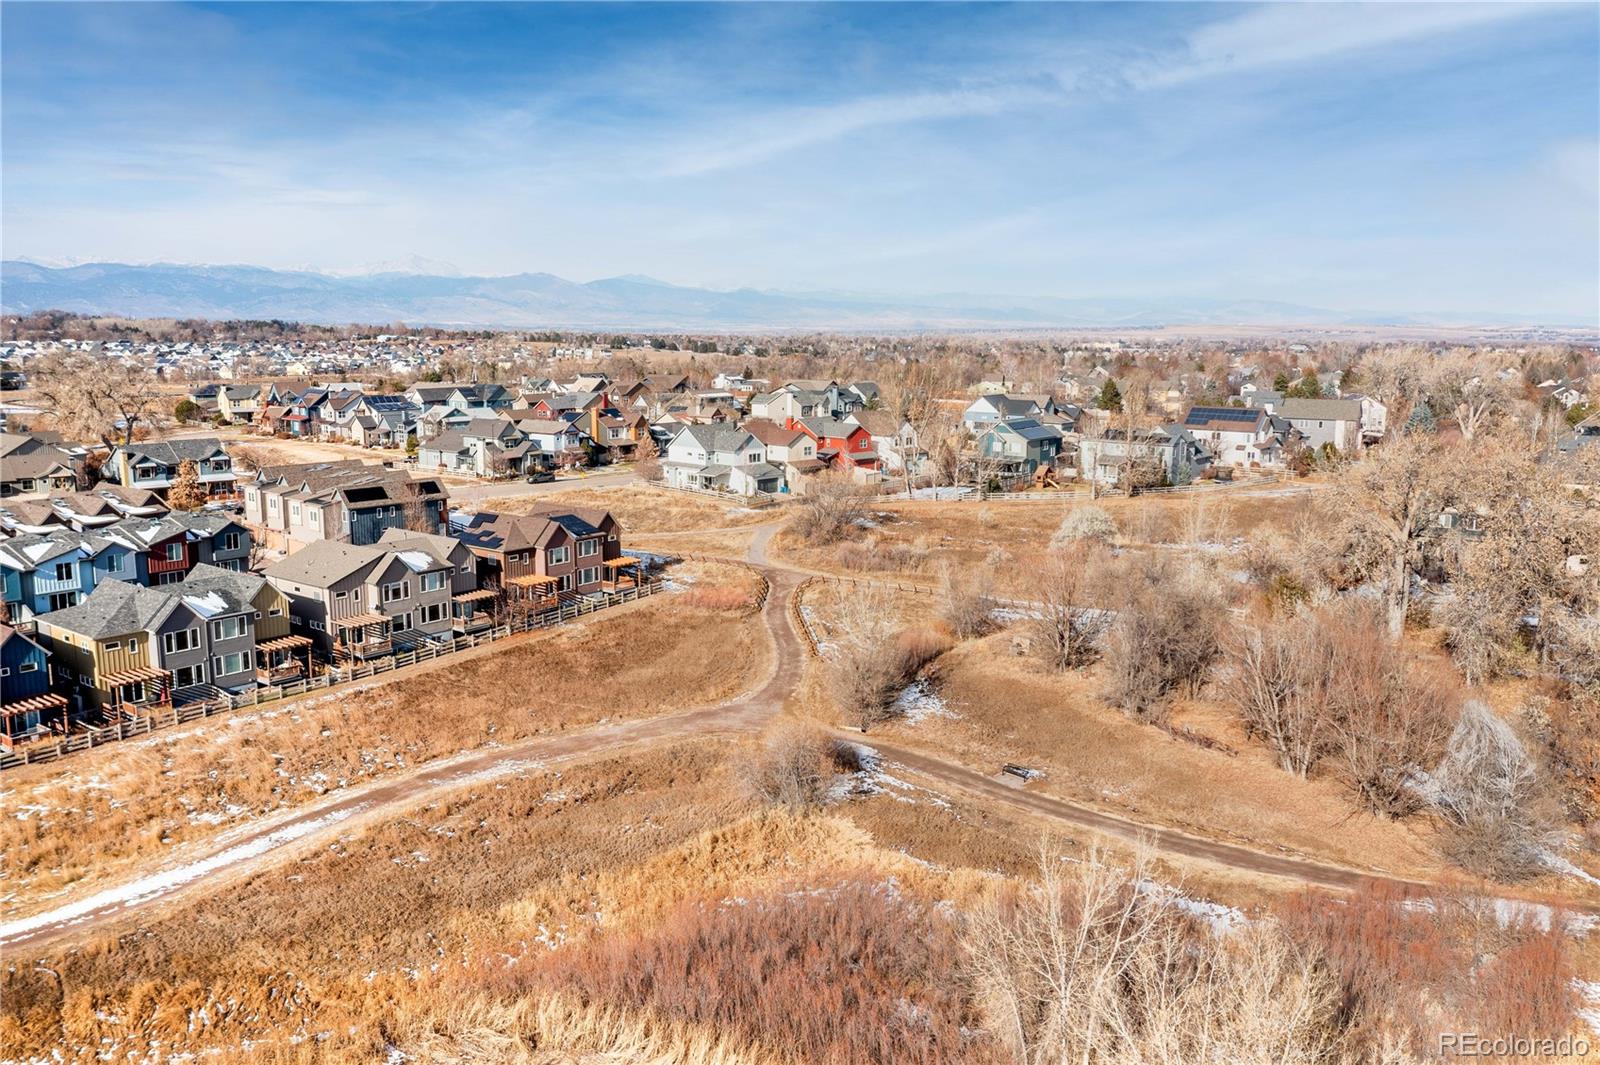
{"x":373,"y":632}
{"x":275,"y":662}
{"x":533,"y":586}
{"x":39,"y":704}
{"x":615,"y":567}
{"x":465,"y":607}
{"x":143,"y":676}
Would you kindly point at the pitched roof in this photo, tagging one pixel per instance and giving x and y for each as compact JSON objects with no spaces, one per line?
{"x":324,"y":562}
{"x":1348,"y":410}
{"x":115,"y":608}
{"x":771,"y":433}
{"x":490,"y":531}
{"x":717,"y":437}
{"x":1226,"y":419}
{"x":172,"y":452}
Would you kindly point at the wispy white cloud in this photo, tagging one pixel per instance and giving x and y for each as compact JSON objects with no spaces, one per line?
{"x":1284,"y":34}
{"x":781,"y":131}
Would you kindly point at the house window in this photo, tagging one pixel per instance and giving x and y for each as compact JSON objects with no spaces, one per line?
{"x":402,"y":622}
{"x":133,"y":647}
{"x":227,"y":628}
{"x":590,"y":575}
{"x":174,"y":552}
{"x":169,"y":578}
{"x":565,"y":584}
{"x":294,"y":510}
{"x":114,"y":645}
{"x":432,"y":582}
{"x":275,"y":612}
{"x":224,"y":665}
{"x":30,"y":666}
{"x":114,"y":563}
{"x":559,"y":555}
{"x":230,"y":541}
{"x":339,"y":595}
{"x":393,"y":591}
{"x":587,"y":547}
{"x":433,"y":612}
{"x":62,"y":600}
{"x":182,"y":640}
{"x":63,"y":571}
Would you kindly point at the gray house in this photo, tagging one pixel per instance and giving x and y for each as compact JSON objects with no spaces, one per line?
{"x":365,"y":602}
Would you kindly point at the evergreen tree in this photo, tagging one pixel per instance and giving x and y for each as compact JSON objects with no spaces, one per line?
{"x":1280,"y":384}
{"x":1110,"y":397}
{"x":1421,"y":420}
{"x":1308,"y":387}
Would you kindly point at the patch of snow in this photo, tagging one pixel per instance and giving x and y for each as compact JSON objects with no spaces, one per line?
{"x":416,"y":561}
{"x":919,"y":702}
{"x":208,"y":605}
{"x":1589,"y":1012}
{"x":941,"y":493}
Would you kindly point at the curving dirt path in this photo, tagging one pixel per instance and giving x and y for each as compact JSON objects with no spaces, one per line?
{"x":280,"y":838}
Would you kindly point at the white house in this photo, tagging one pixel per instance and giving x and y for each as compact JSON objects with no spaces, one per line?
{"x":719,"y":456}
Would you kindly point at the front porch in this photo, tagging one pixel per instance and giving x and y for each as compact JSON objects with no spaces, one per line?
{"x":618,"y":576}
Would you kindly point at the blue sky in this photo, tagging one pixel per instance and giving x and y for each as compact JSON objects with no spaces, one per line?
{"x":1402,"y":157}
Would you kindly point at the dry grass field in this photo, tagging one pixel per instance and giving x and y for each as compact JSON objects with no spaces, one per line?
{"x":86,"y":820}
{"x":913,"y":539}
{"x":644,"y":509}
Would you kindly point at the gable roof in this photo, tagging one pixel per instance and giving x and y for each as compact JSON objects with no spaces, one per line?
{"x":114,"y":608}
{"x":173,"y":452}
{"x":717,"y":437}
{"x":324,"y":562}
{"x":1348,"y":410}
{"x":1226,"y":419}
{"x":494,"y":532}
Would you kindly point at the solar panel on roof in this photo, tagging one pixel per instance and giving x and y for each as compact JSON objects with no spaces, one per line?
{"x":1204,"y":415}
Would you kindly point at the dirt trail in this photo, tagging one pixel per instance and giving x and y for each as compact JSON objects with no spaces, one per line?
{"x":275,"y":840}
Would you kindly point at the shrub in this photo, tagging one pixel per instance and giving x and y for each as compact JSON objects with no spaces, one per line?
{"x":830,"y":509}
{"x":849,"y":974}
{"x":1069,"y":625}
{"x":1164,"y":639}
{"x":718,"y":597}
{"x":793,"y":766}
{"x":967,"y":608}
{"x":1084,"y":523}
{"x":1503,"y":815}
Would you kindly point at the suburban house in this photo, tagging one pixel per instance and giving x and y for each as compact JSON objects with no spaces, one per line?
{"x":154,"y":465}
{"x":484,"y":447}
{"x":240,"y":403}
{"x":356,"y":601}
{"x":1325,"y":421}
{"x":166,"y":548}
{"x":40,"y":573}
{"x":1241,"y":436}
{"x":797,"y":400}
{"x":1374,"y":417}
{"x":1001,"y":407}
{"x":843,"y":445}
{"x":347,"y":501}
{"x":28,"y":707}
{"x":482,"y":396}
{"x":894,"y":439}
{"x":719,"y":456}
{"x":1168,"y":455}
{"x":789,"y":449}
{"x":472,"y":609}
{"x":546,"y":555}
{"x":31,"y":464}
{"x":556,"y":442}
{"x":1019,"y":447}
{"x":104,"y":505}
{"x":127,"y":647}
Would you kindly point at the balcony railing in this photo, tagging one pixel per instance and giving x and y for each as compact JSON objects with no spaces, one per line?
{"x":280,"y":674}
{"x":369,"y":648}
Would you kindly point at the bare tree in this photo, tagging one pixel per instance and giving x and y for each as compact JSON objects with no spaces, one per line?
{"x":104,"y":399}
{"x":1504,"y":816}
{"x":1278,"y":677}
{"x":793,"y":766}
{"x":1164,"y":639}
{"x":830,"y":509}
{"x":1086,"y":522}
{"x":863,"y":669}
{"x":1386,"y":508}
{"x":1069,"y":624}
{"x":968,"y":608}
{"x":187,"y":493}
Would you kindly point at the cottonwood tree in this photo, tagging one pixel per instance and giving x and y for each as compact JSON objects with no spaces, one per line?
{"x":99,"y":398}
{"x":831,"y":508}
{"x":1385,"y":510}
{"x":1163,"y":640}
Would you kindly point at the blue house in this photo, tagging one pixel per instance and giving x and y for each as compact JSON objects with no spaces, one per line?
{"x":28,"y":707}
{"x":52,"y":571}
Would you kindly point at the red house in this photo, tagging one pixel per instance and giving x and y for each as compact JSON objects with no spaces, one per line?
{"x":840,"y":444}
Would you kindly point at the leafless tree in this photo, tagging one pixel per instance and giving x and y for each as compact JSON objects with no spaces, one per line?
{"x":1085,"y":522}
{"x":863,"y":669}
{"x":1384,"y":511}
{"x":1069,"y":625}
{"x":1504,"y":817}
{"x":97,"y":398}
{"x":831,"y":508}
{"x":968,"y":608}
{"x":1278,"y":676}
{"x":1164,"y":639}
{"x":793,"y":766}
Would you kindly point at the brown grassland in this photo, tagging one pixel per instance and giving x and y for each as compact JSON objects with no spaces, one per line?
{"x":642,"y":509}
{"x":85,"y":821}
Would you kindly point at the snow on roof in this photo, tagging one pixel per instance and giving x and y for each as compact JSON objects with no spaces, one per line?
{"x":206,"y":605}
{"x":417,"y":560}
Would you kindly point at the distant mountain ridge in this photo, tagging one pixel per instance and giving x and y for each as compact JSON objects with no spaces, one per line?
{"x":630,"y":302}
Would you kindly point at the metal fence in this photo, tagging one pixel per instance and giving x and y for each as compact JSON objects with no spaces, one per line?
{"x":168,"y":716}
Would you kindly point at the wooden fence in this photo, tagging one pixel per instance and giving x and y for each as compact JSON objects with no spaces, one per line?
{"x":168,"y":716}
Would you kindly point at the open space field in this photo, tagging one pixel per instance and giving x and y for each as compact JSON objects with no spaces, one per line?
{"x":915,"y":538}
{"x":85,"y":821}
{"x":643,"y":509}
